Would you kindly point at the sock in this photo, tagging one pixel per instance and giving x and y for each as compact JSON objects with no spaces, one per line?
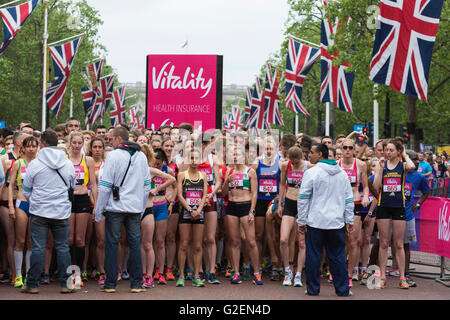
{"x":355,"y":270}
{"x":80,"y":252}
{"x":287,"y":270}
{"x":18,"y":259}
{"x":27,"y":260}
{"x":364,"y":269}
{"x":298,"y":274}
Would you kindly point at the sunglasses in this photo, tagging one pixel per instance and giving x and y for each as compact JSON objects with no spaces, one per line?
{"x":347,"y":147}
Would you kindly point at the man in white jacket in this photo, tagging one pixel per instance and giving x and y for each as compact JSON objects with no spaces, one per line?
{"x":325,"y":205}
{"x":50,"y":207}
{"x":127,"y":172}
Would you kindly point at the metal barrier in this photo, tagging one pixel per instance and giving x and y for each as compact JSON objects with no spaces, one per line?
{"x":439,"y":187}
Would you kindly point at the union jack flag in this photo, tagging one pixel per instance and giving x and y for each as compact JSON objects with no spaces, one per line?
{"x":104,"y":96}
{"x":336,"y":84}
{"x":94,"y":71}
{"x":248,"y":106}
{"x":89,"y":97}
{"x":119,"y":111}
{"x":258,"y":109}
{"x":134,"y":118}
{"x":63,"y":57}
{"x":13,"y":20}
{"x":404,"y":45}
{"x":236,"y":118}
{"x":227,"y":121}
{"x":140,"y":122}
{"x":300,"y":60}
{"x":272,"y":97}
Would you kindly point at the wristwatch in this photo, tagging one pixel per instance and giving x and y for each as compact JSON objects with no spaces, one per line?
{"x":418,"y":205}
{"x":190,"y":211}
{"x":252,"y":212}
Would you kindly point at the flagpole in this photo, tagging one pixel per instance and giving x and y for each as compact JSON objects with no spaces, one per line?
{"x":6,"y":4}
{"x":327,"y":119}
{"x":296,"y":123}
{"x":71,"y":104}
{"x":67,"y":39}
{"x":44,"y":73}
{"x":375,"y":117}
{"x":303,"y":40}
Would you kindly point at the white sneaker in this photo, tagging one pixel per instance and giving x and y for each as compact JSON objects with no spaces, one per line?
{"x":298,"y":280}
{"x":288,"y":279}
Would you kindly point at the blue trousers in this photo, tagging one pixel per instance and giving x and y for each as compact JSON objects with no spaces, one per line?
{"x":334,"y":243}
{"x":113,"y":227}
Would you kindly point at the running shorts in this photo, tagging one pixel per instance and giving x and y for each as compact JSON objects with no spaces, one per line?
{"x":81,"y":204}
{"x":261,"y":207}
{"x":239,"y":209}
{"x":290,"y":208}
{"x":391,"y":213}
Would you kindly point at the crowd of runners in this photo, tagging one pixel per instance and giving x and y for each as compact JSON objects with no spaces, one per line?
{"x":221,"y":204}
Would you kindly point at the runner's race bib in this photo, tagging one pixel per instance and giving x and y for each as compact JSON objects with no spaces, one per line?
{"x":193,"y":198}
{"x":408,"y":190}
{"x":295,"y":178}
{"x":23,"y":172}
{"x":392,"y":185}
{"x":351,"y":177}
{"x":240,"y":180}
{"x":79,"y":174}
{"x":268,"y":186}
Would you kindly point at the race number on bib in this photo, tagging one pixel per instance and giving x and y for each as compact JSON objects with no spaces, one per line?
{"x":268,"y":186}
{"x":392,"y":185}
{"x":193,"y":198}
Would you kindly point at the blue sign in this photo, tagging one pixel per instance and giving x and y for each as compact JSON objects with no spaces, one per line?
{"x":360,"y":127}
{"x":2,"y":124}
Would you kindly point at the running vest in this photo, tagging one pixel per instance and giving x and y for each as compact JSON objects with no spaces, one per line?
{"x":9,"y":171}
{"x":294,"y":178}
{"x":193,"y":190}
{"x":241,"y":180}
{"x":81,"y":172}
{"x":268,"y":180}
{"x":354,"y":175}
{"x":392,"y":193}
{"x":157,"y":181}
{"x":208,"y":169}
{"x":21,"y":172}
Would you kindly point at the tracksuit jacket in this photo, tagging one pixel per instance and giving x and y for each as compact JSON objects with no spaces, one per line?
{"x":325,"y":200}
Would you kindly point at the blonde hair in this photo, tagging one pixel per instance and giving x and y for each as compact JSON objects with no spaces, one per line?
{"x":74,"y":134}
{"x":148,"y":151}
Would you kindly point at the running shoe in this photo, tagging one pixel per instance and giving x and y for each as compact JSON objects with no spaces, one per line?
{"x":403,"y":284}
{"x":125,"y":275}
{"x":257,"y":279}
{"x":162,"y":279}
{"x":65,"y":290}
{"x":298,"y":280}
{"x":381,"y":284}
{"x":288,"y":279}
{"x":330,"y":278}
{"x":236,"y":279}
{"x":350,"y":282}
{"x":246,"y":273}
{"x":138,"y":290}
{"x":101,"y":278}
{"x":228,"y":272}
{"x":395,"y":273}
{"x":202,"y":276}
{"x":26,"y":289}
{"x":411,"y":282}
{"x":4,"y":277}
{"x":13,"y":280}
{"x":364,"y":278}
{"x":180,"y":282}
{"x":213,"y":279}
{"x":355,"y":276}
{"x":148,"y":282}
{"x":189,"y":274}
{"x":94,"y":274}
{"x":119,"y":277}
{"x":156,"y":275}
{"x":276,"y":276}
{"x":18,"y":283}
{"x":169,"y":275}
{"x":45,"y":279}
{"x":84,"y":276}
{"x":197,"y":282}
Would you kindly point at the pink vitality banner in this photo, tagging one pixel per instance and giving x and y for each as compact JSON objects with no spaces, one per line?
{"x":184,"y":88}
{"x":433,"y":226}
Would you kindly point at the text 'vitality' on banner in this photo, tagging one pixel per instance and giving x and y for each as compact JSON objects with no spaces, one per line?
{"x":184,"y":88}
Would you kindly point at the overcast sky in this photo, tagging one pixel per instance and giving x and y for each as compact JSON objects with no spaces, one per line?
{"x":245,"y":32}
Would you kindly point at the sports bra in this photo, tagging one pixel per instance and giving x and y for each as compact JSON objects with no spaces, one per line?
{"x":241,"y":180}
{"x":353,"y":174}
{"x":193,"y":189}
{"x":157,"y":181}
{"x":21,"y":172}
{"x":81,"y":172}
{"x":294,"y":178}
